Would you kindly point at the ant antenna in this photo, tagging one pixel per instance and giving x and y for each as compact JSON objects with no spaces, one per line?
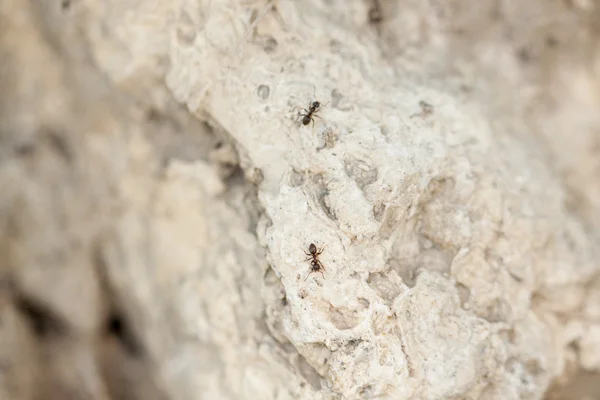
{"x":315,"y":97}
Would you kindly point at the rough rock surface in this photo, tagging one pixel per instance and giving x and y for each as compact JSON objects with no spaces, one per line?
{"x":158,"y":196}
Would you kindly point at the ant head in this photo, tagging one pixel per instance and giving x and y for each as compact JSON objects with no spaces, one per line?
{"x":312,"y":248}
{"x":316,"y":104}
{"x":306,"y":120}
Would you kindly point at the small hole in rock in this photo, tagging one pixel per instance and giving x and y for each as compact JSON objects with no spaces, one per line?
{"x":263,"y":92}
{"x":117,"y":326}
{"x":59,"y":144}
{"x":269,"y":44}
{"x":42,"y":320}
{"x":25,"y":150}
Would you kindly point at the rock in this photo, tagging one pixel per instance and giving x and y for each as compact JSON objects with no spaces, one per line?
{"x":160,"y":195}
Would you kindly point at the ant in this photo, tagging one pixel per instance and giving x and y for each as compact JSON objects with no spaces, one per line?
{"x":315,"y":263}
{"x":309,"y":114}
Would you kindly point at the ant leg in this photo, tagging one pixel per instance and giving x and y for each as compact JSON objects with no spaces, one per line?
{"x":321,"y":265}
{"x":313,"y":121}
{"x":315,"y":115}
{"x":321,"y":250}
{"x":303,"y":109}
{"x":322,"y":274}
{"x":307,"y":276}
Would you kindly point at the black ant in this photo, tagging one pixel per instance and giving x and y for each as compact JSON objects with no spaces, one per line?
{"x":309,"y":114}
{"x":315,"y":263}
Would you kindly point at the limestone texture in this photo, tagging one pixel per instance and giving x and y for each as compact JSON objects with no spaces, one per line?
{"x":159,"y":195}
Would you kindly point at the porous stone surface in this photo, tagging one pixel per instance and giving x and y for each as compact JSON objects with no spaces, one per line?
{"x":160,"y":195}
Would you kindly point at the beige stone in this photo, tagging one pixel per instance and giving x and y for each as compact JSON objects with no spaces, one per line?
{"x":159,"y":195}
